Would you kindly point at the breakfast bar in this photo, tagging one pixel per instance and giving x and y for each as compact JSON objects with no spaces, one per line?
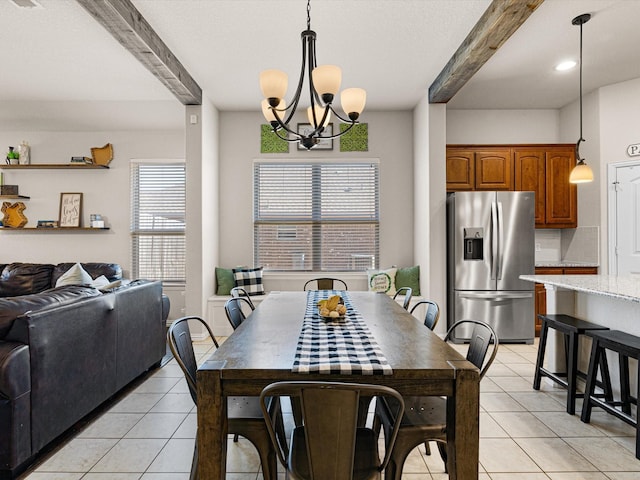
{"x":608,"y":300}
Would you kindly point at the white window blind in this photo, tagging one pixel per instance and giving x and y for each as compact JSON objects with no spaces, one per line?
{"x":316,"y":216}
{"x":158,"y":203}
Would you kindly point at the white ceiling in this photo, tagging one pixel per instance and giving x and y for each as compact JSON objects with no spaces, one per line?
{"x":392,"y":48}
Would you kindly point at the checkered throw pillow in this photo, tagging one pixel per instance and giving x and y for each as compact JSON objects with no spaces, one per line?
{"x":250,"y":279}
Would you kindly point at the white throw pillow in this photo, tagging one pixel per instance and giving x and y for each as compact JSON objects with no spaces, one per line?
{"x":382,"y":280}
{"x":76,"y":275}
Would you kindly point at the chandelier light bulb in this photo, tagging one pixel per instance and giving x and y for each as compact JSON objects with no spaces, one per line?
{"x":326,"y":81}
{"x":319,"y":113}
{"x":273,"y":84}
{"x":353,"y":101}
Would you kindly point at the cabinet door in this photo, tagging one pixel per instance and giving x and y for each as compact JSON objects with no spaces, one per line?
{"x":460,"y":169}
{"x":529,"y":165}
{"x":561,"y":196}
{"x":581,"y":270}
{"x":494,"y":169}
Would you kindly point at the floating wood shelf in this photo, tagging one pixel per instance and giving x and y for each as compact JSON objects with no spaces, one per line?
{"x":52,"y":229}
{"x":36,"y":166}
{"x":21,"y":197}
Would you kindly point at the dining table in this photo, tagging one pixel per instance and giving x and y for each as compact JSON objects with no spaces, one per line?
{"x":265,"y":347}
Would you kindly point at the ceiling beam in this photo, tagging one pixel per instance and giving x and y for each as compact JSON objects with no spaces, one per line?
{"x":501,"y":19}
{"x":129,"y":27}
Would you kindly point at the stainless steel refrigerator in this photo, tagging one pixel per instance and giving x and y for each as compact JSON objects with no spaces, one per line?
{"x":490,"y":243}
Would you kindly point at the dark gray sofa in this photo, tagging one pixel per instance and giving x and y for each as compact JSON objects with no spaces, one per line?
{"x":64,"y":351}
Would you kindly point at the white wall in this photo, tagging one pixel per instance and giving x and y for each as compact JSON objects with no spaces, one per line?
{"x":502,"y":126}
{"x":390,"y":140}
{"x":104,"y":191}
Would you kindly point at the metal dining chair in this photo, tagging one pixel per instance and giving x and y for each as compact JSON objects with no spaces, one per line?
{"x":233,"y":308}
{"x":432,"y":314}
{"x":241,"y":292}
{"x":329,"y":444}
{"x":408,"y":293}
{"x":325,"y":283}
{"x":245,"y":416}
{"x":425,"y":418}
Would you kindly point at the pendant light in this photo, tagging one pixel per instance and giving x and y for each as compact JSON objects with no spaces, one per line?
{"x":581,"y":173}
{"x":324,"y":84}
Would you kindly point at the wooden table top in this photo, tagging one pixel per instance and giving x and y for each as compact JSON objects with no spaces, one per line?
{"x":265,"y":344}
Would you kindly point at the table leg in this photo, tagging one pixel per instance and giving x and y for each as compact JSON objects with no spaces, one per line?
{"x":212,"y":424}
{"x":463,"y":432}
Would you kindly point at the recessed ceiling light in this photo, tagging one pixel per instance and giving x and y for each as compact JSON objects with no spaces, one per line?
{"x":566,"y":65}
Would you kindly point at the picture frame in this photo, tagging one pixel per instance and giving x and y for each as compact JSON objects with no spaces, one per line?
{"x":324,"y":144}
{"x":70,"y":214}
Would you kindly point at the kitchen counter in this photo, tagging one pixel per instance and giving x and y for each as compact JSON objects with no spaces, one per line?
{"x":623,"y":288}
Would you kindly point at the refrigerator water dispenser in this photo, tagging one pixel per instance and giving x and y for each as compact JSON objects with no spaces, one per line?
{"x":473,"y":242}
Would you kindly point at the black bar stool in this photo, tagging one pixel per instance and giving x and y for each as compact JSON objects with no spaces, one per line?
{"x":626,"y":346}
{"x":571,"y":328}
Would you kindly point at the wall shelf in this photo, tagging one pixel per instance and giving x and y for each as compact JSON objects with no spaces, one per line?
{"x":22,"y":197}
{"x":40,"y":166}
{"x":53,"y":229}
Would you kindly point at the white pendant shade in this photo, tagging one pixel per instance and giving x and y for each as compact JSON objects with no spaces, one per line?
{"x":273,"y":83}
{"x":353,"y":100}
{"x":581,"y":173}
{"x":327,"y":79}
{"x":268,"y":113}
{"x":319,"y":113}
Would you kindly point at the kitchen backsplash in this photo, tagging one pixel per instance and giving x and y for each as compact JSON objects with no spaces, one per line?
{"x":579,"y":245}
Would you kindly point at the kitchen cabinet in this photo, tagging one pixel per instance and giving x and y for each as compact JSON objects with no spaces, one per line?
{"x":543,"y":169}
{"x":479,"y":169}
{"x":540,"y":294}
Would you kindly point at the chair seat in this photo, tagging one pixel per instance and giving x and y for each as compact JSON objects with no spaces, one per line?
{"x":366,"y":460}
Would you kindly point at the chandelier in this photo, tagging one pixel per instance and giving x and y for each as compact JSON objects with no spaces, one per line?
{"x":581,"y":173}
{"x":324,"y":84}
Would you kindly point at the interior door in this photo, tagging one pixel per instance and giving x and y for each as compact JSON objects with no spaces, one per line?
{"x":627,"y":218}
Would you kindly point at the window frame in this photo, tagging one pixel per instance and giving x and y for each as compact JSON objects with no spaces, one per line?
{"x":317,"y":219}
{"x":137,"y":230}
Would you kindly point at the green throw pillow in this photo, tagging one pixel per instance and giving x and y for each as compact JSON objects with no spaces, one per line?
{"x":409,"y":277}
{"x":225,"y":281}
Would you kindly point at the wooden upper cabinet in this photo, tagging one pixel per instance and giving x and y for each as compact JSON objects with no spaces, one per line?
{"x":561,"y":197}
{"x":461,"y":169}
{"x":529,"y":165}
{"x":494,"y":169}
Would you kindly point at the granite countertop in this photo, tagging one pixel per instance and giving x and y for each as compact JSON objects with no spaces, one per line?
{"x":561,"y":264}
{"x":623,"y":287}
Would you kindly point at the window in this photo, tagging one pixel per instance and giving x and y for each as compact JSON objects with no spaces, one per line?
{"x":158,"y":210}
{"x":316,"y":216}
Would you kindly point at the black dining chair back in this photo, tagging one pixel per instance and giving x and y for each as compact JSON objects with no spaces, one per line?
{"x":425,"y":418}
{"x":408,"y":293}
{"x":329,"y":444}
{"x":432,"y":313}
{"x":325,"y":283}
{"x":241,"y":292}
{"x":234,"y":310}
{"x":244,"y":413}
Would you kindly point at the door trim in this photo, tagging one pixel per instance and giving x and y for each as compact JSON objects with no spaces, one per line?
{"x":612,"y":169}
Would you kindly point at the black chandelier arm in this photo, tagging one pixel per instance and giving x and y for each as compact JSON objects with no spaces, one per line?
{"x":578,"y":157}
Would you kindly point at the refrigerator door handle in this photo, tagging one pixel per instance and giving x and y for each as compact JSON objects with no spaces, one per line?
{"x":494,"y":240}
{"x":496,"y":295}
{"x":500,"y":242}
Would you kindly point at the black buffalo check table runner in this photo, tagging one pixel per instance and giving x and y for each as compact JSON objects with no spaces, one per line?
{"x":341,"y":346}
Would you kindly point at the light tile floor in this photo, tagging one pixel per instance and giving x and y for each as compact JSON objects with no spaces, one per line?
{"x":525,"y":434}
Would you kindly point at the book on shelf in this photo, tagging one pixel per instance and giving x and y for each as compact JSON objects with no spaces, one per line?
{"x":82,"y":160}
{"x":47,"y":223}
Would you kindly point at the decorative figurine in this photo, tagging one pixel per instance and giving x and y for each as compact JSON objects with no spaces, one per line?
{"x":24,"y":152}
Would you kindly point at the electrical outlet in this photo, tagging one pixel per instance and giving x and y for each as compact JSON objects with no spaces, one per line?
{"x":538,"y":247}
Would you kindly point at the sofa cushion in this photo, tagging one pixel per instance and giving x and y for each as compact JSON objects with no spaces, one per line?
{"x":112,"y":271}
{"x":25,"y":278}
{"x":409,"y":277}
{"x":225,"y":281}
{"x":76,"y":275}
{"x":250,"y":279}
{"x":383,"y":281}
{"x":13,"y":307}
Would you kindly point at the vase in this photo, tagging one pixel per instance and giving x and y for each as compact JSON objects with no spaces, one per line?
{"x":25,"y":153}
